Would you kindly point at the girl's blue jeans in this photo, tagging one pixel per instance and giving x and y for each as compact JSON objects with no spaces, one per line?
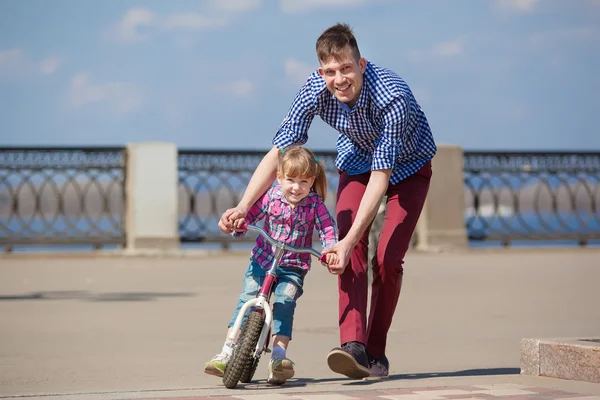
{"x":288,"y":290}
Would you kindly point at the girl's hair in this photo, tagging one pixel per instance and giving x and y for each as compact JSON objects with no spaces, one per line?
{"x":296,"y":161}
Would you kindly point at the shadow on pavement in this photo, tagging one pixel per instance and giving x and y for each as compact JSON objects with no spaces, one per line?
{"x":88,"y":296}
{"x":427,"y":375}
{"x":301,"y":382}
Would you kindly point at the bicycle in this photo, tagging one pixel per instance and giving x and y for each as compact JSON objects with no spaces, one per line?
{"x":253,"y":340}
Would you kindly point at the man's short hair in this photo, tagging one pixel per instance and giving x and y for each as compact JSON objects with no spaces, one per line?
{"x":334,"y":40}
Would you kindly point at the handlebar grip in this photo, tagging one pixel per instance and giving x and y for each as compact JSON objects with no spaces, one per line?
{"x":323,"y":258}
{"x":244,"y":226}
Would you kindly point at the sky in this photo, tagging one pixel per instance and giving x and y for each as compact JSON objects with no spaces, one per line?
{"x":221,"y":74}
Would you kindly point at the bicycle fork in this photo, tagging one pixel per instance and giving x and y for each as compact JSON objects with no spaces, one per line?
{"x":261,"y":304}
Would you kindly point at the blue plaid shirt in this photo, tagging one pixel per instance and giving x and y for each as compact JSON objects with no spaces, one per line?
{"x":386,"y":128}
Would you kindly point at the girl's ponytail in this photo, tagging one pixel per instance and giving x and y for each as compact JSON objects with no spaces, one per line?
{"x":320,"y":185}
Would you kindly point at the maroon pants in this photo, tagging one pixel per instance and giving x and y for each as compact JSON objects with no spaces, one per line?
{"x":404,"y":204}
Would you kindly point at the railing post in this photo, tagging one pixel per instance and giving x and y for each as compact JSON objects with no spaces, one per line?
{"x":442,"y":221}
{"x":151,"y":197}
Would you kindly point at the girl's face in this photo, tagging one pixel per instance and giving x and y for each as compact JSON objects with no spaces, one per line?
{"x":295,"y":188}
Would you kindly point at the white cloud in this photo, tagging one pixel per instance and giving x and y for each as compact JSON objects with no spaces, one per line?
{"x":305,"y":6}
{"x":241,"y":88}
{"x":518,"y":5}
{"x":50,"y":65}
{"x":125,"y":97}
{"x":192,"y":21}
{"x":296,"y":71}
{"x":138,"y":24}
{"x":236,"y":5}
{"x":14,"y":63}
{"x":449,"y":49}
{"x":131,"y":27}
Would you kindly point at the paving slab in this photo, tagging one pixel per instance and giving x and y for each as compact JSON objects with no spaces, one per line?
{"x":398,"y":387}
{"x":144,"y":326}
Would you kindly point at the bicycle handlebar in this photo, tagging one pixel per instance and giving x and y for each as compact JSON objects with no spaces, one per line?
{"x":274,"y":242}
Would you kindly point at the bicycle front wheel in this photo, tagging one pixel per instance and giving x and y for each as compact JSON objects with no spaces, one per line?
{"x":242,"y":359}
{"x":249,"y":371}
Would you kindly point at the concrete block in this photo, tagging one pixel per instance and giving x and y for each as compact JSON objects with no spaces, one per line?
{"x":565,"y":358}
{"x":530,"y":357}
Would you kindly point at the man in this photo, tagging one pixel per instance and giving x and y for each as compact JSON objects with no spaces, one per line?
{"x":384,"y":148}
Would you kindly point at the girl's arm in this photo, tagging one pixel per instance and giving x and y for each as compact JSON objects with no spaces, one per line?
{"x":326,"y":226}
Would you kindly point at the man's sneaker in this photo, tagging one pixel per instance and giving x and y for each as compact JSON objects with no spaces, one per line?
{"x":217,"y":365}
{"x":380,"y":368}
{"x":280,"y":370}
{"x":350,"y":360}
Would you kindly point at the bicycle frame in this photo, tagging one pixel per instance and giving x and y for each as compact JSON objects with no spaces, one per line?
{"x":261,"y":301}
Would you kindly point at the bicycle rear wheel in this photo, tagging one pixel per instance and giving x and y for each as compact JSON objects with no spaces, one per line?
{"x":242,"y":359}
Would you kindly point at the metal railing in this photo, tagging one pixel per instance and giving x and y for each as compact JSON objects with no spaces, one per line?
{"x":509,"y":196}
{"x":539,"y":196}
{"x":62,"y":195}
{"x":77,"y":195}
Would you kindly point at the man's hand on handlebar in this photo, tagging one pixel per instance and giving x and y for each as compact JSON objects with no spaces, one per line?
{"x":342,"y":251}
{"x":330,"y":259}
{"x":229,"y":217}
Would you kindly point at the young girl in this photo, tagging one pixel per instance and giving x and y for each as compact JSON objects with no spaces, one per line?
{"x":291,"y":209}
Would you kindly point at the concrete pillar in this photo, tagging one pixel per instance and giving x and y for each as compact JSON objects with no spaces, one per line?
{"x":151,"y":197}
{"x":442,"y":222}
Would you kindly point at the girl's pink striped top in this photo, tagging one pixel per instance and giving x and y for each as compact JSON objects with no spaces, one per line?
{"x":293,"y":226}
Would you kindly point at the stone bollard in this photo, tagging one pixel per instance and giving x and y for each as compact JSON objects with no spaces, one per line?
{"x":442,"y":221}
{"x":151,"y":219}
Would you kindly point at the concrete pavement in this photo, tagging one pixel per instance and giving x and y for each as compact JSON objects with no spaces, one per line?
{"x":142,"y":327}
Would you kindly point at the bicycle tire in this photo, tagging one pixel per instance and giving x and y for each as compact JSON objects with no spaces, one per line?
{"x":242,"y":358}
{"x":249,"y":371}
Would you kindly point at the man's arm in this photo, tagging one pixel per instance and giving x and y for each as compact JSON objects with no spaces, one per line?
{"x":293,"y":130}
{"x":395,"y":125}
{"x":261,"y":180}
{"x":255,"y":213}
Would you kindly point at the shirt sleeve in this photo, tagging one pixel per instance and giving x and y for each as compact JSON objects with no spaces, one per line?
{"x":294,"y":128}
{"x":326,"y":226}
{"x":256,"y":212}
{"x":394,"y":127}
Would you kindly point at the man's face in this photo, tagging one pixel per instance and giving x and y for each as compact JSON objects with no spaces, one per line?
{"x":344,"y":76}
